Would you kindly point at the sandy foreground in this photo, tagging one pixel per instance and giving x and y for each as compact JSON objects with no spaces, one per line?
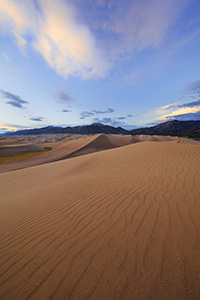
{"x":117,"y":224}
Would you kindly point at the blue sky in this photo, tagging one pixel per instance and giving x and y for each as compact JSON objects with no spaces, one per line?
{"x":74,"y":62}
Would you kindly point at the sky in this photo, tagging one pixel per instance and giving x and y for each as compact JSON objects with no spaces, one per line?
{"x":128,"y":63}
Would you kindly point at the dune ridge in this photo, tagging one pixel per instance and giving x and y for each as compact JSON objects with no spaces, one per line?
{"x":103,"y":142}
{"x":116,"y":224}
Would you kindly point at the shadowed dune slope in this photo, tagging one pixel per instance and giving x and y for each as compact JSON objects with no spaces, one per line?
{"x":117,"y":224}
{"x":13,"y":146}
{"x":104,"y":142}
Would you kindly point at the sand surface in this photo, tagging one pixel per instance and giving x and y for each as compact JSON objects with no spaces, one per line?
{"x":117,"y":224}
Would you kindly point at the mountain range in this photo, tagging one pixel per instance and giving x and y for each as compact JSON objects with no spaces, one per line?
{"x":174,"y":128}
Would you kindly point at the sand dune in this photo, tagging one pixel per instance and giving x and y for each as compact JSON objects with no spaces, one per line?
{"x":103,"y":142}
{"x":11,"y":146}
{"x":60,"y":151}
{"x":65,"y":146}
{"x":72,"y":148}
{"x":116,"y":224}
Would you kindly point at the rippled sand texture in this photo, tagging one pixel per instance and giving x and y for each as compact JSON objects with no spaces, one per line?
{"x":117,"y":224}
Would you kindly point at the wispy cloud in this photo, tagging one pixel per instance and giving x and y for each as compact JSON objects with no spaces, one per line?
{"x":37,"y":119}
{"x":131,"y":25}
{"x":190,"y":104}
{"x":63,"y":96}
{"x":121,"y":118}
{"x":67,"y":45}
{"x":5,"y":127}
{"x":193,"y":89}
{"x":115,"y":121}
{"x":109,"y":121}
{"x":87,"y":114}
{"x":108,"y":111}
{"x":66,"y":110}
{"x":14,"y":100}
{"x":17,"y":126}
{"x":144,"y":32}
{"x":6,"y":57}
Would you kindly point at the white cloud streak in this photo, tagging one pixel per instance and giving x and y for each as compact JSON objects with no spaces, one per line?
{"x":67,"y":46}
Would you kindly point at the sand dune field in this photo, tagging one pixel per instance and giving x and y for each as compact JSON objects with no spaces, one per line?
{"x":67,"y":146}
{"x":117,"y":224}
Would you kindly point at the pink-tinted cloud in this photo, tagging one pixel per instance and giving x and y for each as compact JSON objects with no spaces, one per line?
{"x":4,"y":127}
{"x":178,"y":112}
{"x":67,"y":45}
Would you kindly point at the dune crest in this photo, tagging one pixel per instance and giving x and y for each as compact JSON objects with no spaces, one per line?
{"x":103,"y":142}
